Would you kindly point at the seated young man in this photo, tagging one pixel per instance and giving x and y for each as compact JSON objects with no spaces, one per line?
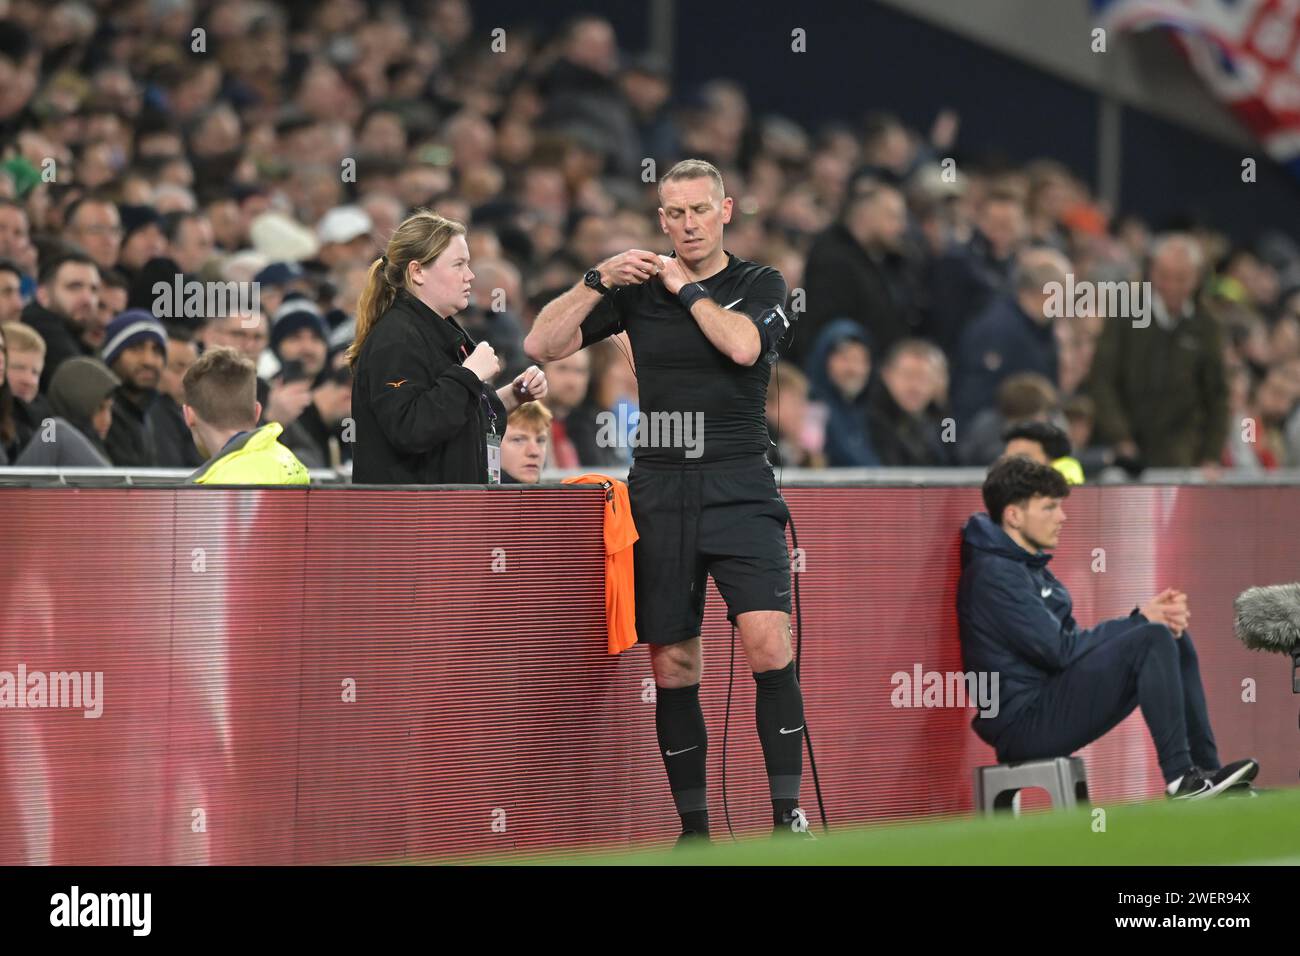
{"x":1061,"y":687}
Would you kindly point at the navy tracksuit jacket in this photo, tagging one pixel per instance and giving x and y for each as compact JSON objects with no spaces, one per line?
{"x":1061,"y":687}
{"x":1016,"y":619}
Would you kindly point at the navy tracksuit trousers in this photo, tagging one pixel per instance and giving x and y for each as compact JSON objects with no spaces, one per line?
{"x":1128,"y":663}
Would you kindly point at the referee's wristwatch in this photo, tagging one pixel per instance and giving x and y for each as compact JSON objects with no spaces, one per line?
{"x":592,"y":281}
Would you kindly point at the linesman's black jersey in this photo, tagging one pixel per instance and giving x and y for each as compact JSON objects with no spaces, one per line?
{"x":679,"y":371}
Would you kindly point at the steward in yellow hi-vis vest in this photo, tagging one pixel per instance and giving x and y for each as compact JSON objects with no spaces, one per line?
{"x":254,"y":458}
{"x":222,"y":410}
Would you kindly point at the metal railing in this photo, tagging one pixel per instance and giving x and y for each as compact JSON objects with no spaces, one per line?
{"x":122,"y":477}
{"x":908,"y":477}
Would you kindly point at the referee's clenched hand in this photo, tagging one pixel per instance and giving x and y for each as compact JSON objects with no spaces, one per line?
{"x":629,"y":268}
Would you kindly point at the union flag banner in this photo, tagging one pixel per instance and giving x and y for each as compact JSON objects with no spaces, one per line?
{"x":1246,"y":51}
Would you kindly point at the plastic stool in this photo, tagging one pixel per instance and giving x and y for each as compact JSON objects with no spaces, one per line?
{"x":1064,"y":778}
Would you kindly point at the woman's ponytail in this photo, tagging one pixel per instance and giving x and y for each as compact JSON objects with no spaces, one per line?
{"x":375,"y":300}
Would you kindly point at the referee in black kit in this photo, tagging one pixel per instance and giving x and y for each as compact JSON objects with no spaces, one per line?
{"x":704,"y":327}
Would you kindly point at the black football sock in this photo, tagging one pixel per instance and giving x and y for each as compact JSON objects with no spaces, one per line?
{"x":778,"y":712}
{"x":684,"y":746}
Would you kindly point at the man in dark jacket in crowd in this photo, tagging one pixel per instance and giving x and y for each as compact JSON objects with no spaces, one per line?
{"x":646,"y":83}
{"x":300,"y":340}
{"x":968,"y":276}
{"x":1158,"y":381}
{"x":136,"y":350}
{"x":839,"y":371}
{"x":1022,"y":397}
{"x":319,"y":438}
{"x":1062,"y":687}
{"x":581,"y":92}
{"x":300,"y":334}
{"x":67,"y":294}
{"x":857,"y":269}
{"x":1014,"y":334}
{"x":905,"y":429}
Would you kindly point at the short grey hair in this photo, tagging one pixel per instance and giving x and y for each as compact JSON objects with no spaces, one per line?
{"x":1038,"y":266}
{"x":1168,"y":241}
{"x":692,"y":169}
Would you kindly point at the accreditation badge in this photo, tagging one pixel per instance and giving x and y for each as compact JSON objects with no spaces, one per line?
{"x":494,"y":458}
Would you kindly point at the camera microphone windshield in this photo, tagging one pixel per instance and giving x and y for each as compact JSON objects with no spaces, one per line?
{"x":1268,"y":619}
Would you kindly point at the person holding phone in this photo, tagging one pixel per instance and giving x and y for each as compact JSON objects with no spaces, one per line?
{"x":422,"y":402}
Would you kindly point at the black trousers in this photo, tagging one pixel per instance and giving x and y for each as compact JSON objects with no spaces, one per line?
{"x":1128,"y":663}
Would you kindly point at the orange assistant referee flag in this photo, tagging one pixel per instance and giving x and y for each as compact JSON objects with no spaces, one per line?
{"x":620,"y":584}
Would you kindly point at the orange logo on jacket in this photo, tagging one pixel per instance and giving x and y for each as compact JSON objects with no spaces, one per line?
{"x":397,"y":384}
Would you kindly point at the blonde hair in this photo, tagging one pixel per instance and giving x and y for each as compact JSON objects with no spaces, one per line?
{"x":21,"y":337}
{"x":422,"y":237}
{"x":533,"y":416}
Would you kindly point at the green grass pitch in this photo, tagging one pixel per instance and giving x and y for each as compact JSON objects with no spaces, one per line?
{"x":1262,"y":830}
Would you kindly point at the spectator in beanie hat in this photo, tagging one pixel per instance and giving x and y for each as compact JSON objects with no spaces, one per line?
{"x":299,"y":333}
{"x":276,"y":281}
{"x":299,"y":340}
{"x":135,"y":348}
{"x":317,"y":435}
{"x":142,"y":237}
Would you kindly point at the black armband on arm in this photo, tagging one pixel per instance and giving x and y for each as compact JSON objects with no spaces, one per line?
{"x":772,"y":326}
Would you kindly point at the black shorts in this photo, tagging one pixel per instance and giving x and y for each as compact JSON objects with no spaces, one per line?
{"x":726,"y":519}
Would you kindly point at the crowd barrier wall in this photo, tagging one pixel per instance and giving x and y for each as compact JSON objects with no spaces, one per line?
{"x":331,"y":674}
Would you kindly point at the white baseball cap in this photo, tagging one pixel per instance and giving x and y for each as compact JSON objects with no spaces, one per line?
{"x":343,"y":224}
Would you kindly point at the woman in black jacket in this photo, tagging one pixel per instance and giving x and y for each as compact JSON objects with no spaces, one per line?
{"x":423,"y":410}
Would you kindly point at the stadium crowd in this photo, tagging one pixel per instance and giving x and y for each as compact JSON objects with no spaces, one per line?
{"x":168,"y":144}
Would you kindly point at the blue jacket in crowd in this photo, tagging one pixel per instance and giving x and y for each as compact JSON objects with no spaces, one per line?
{"x":848,"y":436}
{"x":963,"y":280}
{"x":1004,"y":340}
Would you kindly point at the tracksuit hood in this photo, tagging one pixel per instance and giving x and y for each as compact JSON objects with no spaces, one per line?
{"x":981,"y":534}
